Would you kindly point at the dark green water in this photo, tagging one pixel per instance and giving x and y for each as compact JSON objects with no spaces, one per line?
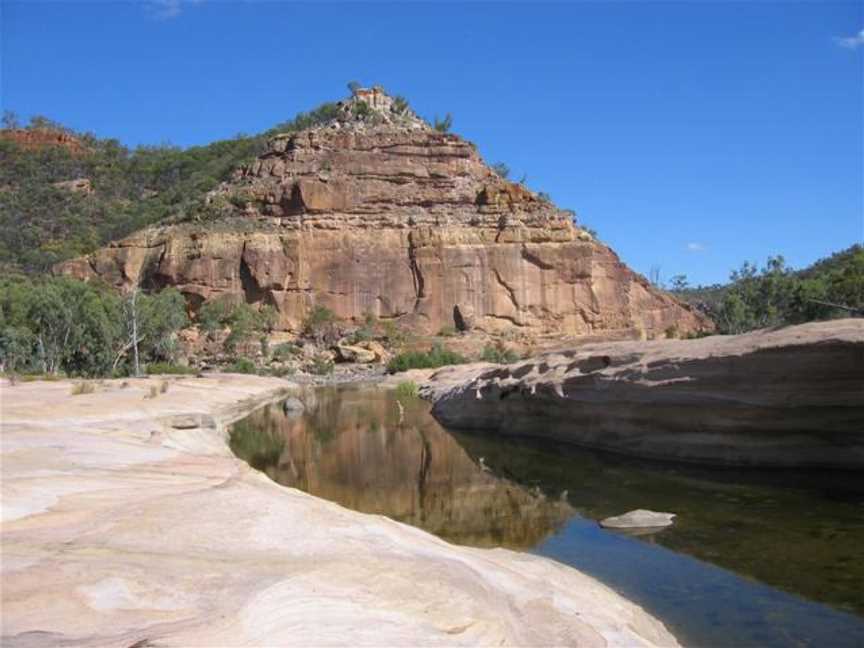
{"x":755,"y":558}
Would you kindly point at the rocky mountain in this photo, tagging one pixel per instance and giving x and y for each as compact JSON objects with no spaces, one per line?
{"x":377,"y":212}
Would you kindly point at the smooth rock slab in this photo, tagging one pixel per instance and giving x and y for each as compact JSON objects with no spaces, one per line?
{"x":119,"y":529}
{"x":638,"y":519}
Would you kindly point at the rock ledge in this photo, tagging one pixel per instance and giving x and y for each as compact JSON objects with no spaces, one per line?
{"x":787,"y":397}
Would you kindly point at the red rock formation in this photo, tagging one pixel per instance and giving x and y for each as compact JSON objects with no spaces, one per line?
{"x":376,"y":212}
{"x":38,"y":138}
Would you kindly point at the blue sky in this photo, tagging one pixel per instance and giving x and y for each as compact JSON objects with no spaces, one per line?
{"x":691,"y":136}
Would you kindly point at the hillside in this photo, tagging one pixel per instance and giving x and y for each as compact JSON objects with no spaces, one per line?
{"x":776,"y":294}
{"x":371,"y":211}
{"x":63,"y":194}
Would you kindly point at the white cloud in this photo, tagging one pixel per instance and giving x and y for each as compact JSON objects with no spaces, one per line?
{"x":696,"y":247}
{"x":851,"y":42}
{"x":167,"y":9}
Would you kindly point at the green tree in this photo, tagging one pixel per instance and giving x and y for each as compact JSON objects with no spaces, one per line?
{"x":55,"y":325}
{"x":10,"y":119}
{"x":243,"y":320}
{"x":501,"y":169}
{"x":161,"y":316}
{"x":678,"y":283}
{"x":443,"y":125}
{"x":319,"y":323}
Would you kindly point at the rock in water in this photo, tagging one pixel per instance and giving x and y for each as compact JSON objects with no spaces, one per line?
{"x":293,"y":406}
{"x":638,"y":519}
{"x":377,"y":213}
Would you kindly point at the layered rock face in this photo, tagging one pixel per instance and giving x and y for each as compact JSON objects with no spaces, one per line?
{"x":790,"y":397}
{"x":378,"y":213}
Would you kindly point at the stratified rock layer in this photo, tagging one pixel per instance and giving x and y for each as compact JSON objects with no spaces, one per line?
{"x":384,"y":215}
{"x":790,"y":397}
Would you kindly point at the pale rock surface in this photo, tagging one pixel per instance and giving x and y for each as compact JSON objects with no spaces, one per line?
{"x":638,"y":519}
{"x":786,"y":397}
{"x":350,"y":353}
{"x":122,"y":525}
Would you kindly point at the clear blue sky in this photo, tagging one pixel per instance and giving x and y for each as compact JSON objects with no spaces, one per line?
{"x":691,"y":136}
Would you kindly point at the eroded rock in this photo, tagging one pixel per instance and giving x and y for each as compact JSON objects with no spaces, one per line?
{"x":376,"y":213}
{"x":349,"y":353}
{"x":787,"y":397}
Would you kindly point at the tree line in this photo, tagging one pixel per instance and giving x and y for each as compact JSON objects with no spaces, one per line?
{"x":59,"y":325}
{"x":776,"y":295}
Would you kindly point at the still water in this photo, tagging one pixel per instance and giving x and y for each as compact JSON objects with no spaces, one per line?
{"x":755,"y":558}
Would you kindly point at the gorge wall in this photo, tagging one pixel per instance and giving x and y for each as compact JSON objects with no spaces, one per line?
{"x":376,"y":212}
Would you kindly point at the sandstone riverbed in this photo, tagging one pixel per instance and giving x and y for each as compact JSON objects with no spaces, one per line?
{"x":127,"y":521}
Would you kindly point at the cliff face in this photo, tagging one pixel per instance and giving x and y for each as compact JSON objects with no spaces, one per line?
{"x":376,"y":212}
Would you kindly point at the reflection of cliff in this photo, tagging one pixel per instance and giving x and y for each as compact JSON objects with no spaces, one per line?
{"x":350,"y":448}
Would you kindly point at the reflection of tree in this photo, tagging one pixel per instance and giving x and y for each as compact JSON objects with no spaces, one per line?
{"x":423,"y":471}
{"x":258,"y":445}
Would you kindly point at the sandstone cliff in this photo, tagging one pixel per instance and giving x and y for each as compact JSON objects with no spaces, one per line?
{"x":377,"y":212}
{"x":787,"y":397}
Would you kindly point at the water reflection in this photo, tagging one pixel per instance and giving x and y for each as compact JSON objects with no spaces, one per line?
{"x":799,"y":533}
{"x":361,"y":449}
{"x":802,"y":531}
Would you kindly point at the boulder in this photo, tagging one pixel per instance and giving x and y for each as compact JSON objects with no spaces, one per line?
{"x":381,"y":354}
{"x":79,"y":185}
{"x":638,"y":519}
{"x":293,"y":406}
{"x":348,"y":353}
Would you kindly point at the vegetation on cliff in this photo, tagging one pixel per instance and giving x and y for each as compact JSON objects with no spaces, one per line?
{"x":44,"y":221}
{"x":776,"y":295}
